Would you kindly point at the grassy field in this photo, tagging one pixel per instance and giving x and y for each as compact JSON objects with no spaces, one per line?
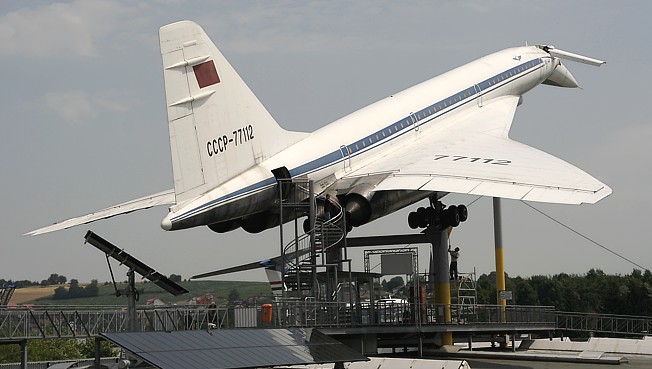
{"x":25,"y":295}
{"x":219,"y":289}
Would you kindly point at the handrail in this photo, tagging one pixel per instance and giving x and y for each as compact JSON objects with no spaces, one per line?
{"x":76,"y":323}
{"x":604,"y":323}
{"x":604,"y":315}
{"x":73,"y":322}
{"x":302,"y":244}
{"x":333,"y":314}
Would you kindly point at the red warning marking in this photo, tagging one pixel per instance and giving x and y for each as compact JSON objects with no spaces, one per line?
{"x":206,"y":74}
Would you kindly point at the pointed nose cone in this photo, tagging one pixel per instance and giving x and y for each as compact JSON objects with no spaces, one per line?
{"x":561,"y":77}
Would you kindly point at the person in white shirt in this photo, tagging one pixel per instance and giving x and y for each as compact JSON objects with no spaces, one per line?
{"x":455,"y":254}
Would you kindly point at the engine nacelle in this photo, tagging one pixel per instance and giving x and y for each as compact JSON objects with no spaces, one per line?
{"x":223,"y":227}
{"x":357,"y":204}
{"x":259,"y":222}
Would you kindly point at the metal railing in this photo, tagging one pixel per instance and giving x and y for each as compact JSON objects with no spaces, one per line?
{"x":73,"y":322}
{"x":89,"y":321}
{"x":331,"y":314}
{"x":77,"y":322}
{"x":107,"y":362}
{"x":327,"y":231}
{"x":604,"y":323}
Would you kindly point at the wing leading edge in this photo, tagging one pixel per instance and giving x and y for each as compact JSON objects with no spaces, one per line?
{"x":475,"y":156}
{"x":161,"y":198}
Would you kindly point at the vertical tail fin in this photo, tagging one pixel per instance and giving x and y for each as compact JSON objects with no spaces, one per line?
{"x":275,"y":281}
{"x":218,"y":128}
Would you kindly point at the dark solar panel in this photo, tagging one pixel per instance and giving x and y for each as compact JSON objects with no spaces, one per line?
{"x":141,"y":268}
{"x":234,"y":348}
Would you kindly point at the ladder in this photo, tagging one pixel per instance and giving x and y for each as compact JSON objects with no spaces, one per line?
{"x":467,"y":295}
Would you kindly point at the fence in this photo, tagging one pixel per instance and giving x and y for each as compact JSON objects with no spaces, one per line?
{"x":74,"y":322}
{"x":604,"y":323}
{"x":320,"y":314}
{"x":46,"y":364}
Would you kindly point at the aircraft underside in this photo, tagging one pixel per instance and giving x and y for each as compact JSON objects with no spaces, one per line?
{"x":360,"y":208}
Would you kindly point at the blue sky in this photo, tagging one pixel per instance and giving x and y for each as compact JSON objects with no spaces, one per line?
{"x":84,"y":124}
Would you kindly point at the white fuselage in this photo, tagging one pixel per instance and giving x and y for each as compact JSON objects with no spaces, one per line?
{"x":368,"y":134}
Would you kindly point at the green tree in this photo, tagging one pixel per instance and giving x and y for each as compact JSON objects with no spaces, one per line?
{"x":394,"y":283}
{"x":54,"y":277}
{"x":92,"y":289}
{"x":594,"y":292}
{"x":42,"y":350}
{"x":53,"y":349}
{"x":87,"y":348}
{"x":74,"y":290}
{"x":639,"y":296}
{"x":234,"y":295}
{"x":524,"y":293}
{"x":9,"y":354}
{"x":60,"y":293}
{"x":486,"y":288}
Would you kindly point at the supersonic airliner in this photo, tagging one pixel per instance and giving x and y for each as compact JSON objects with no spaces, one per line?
{"x":447,"y":134}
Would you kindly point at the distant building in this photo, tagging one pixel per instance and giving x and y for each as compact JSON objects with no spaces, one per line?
{"x":155,"y":302}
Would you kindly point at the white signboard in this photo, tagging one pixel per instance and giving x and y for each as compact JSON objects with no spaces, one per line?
{"x":506,"y":295}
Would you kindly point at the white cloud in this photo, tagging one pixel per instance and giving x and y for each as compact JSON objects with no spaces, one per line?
{"x":325,"y":27}
{"x":71,"y":105}
{"x":61,"y":29}
{"x":114,"y":102}
{"x":78,"y":105}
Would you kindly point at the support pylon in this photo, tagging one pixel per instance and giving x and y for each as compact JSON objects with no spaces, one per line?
{"x":439,"y":275}
{"x":500,"y":262}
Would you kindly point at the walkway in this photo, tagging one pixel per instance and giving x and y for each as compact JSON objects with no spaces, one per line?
{"x":80,"y":321}
{"x":89,"y":321}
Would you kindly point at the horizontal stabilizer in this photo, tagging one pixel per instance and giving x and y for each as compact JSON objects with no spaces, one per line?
{"x":273,"y":263}
{"x":273,"y":270}
{"x":238,"y":268}
{"x":161,"y":198}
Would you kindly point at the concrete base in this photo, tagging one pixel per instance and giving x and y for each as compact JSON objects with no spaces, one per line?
{"x":612,"y":345}
{"x":393,"y":363}
{"x":365,"y":344}
{"x":539,"y":356}
{"x":446,"y":349}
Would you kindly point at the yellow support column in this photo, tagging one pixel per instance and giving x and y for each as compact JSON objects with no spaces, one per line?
{"x":500,"y":261}
{"x":440,"y":279}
